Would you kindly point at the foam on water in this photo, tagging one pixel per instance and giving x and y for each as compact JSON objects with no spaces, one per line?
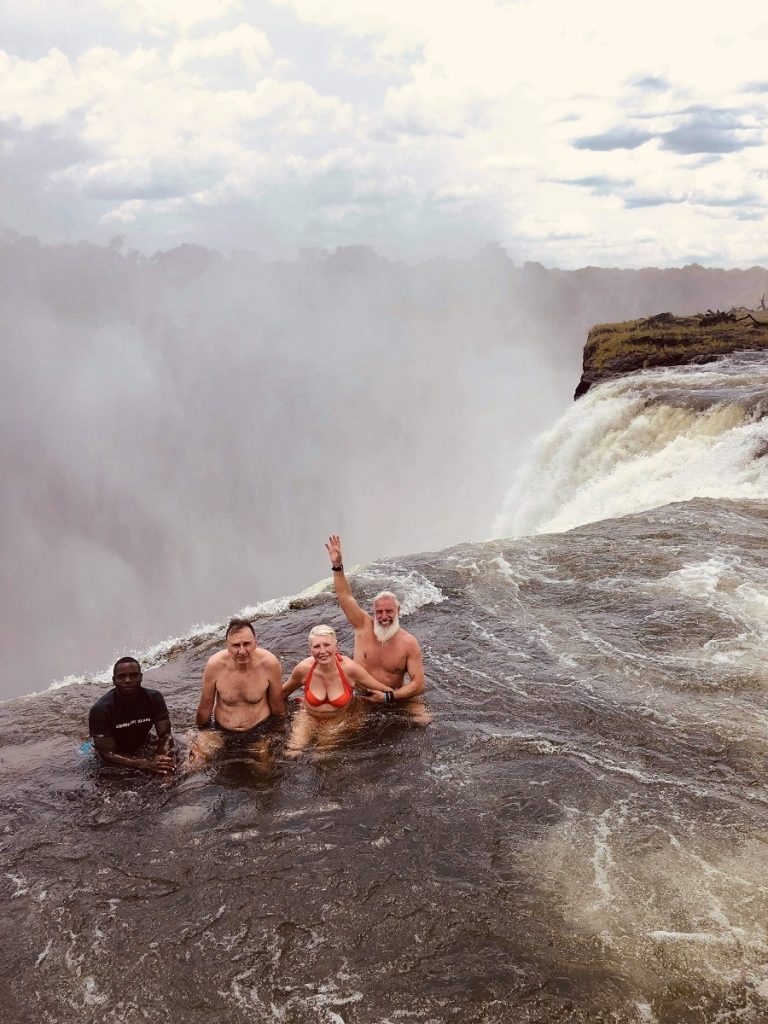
{"x":153,"y":657}
{"x":413,"y":589}
{"x":634,"y":444}
{"x":198,"y":634}
{"x":415,"y":592}
{"x":579,"y":831}
{"x":720,"y":583}
{"x":736,"y":592}
{"x":602,"y":860}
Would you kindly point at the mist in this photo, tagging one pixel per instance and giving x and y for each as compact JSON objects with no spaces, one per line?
{"x":181,"y":432}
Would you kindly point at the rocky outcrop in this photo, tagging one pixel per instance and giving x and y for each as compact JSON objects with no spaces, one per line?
{"x":613,"y":350}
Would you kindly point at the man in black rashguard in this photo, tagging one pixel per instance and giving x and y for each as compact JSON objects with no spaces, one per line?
{"x":121,"y":720}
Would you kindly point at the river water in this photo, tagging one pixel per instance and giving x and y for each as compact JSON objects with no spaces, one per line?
{"x":578,"y":835}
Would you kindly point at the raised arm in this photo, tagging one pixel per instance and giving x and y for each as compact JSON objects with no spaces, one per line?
{"x":275,"y":691}
{"x":354,"y":613}
{"x":208,"y":695}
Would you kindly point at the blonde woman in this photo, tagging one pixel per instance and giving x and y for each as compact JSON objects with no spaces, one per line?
{"x":328,"y":679}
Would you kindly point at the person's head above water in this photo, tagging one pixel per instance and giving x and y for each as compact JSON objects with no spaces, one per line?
{"x":386,"y":615}
{"x":241,"y":640}
{"x":322,"y":642}
{"x":322,"y":630}
{"x":126,"y":676}
{"x":235,"y":625}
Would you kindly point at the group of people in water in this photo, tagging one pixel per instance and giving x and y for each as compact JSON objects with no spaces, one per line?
{"x":243,"y":693}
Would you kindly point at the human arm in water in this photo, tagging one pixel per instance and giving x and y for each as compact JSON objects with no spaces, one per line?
{"x":207,"y":696}
{"x":164,"y":737}
{"x":356,"y":617}
{"x":162,"y":763}
{"x":275,"y":689}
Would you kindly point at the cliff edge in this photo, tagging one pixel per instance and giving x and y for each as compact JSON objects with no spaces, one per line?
{"x":613,"y":350}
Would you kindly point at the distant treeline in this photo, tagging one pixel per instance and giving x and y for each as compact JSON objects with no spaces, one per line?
{"x":92,"y":282}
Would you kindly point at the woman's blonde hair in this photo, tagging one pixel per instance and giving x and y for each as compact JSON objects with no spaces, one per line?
{"x":322,"y":631}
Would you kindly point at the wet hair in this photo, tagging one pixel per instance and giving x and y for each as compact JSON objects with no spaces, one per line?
{"x":322,"y":630}
{"x":124,"y":661}
{"x":389,"y":595}
{"x":235,"y":625}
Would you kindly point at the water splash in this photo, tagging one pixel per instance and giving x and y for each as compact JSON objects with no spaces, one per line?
{"x":644,"y":441}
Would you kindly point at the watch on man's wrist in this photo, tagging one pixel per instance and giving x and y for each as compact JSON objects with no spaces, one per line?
{"x":338,"y":568}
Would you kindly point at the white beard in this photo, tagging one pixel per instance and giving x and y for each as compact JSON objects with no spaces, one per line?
{"x":384,"y":633}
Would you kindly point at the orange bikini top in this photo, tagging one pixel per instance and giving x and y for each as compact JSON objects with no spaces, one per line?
{"x":338,"y":702}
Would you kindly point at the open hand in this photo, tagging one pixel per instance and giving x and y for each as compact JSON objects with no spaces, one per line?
{"x":161,"y":764}
{"x":333,"y":547}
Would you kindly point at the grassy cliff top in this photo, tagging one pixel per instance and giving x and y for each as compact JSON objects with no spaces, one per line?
{"x":613,"y":350}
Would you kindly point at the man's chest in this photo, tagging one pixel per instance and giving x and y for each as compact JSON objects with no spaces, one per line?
{"x":388,"y":657}
{"x":123,"y":715}
{"x":235,"y":688}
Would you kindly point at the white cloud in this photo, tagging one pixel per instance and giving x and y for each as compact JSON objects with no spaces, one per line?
{"x":154,"y":127}
{"x":39,"y":92}
{"x":160,"y":16}
{"x":125,"y":213}
{"x":244,"y":41}
{"x":567,"y":132}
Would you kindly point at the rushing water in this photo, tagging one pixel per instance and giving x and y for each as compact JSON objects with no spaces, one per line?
{"x":644,"y":440}
{"x":579,"y":834}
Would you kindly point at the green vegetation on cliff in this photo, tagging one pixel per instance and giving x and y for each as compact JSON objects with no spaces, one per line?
{"x":613,"y":350}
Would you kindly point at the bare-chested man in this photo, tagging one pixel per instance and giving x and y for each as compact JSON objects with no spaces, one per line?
{"x":242,"y":689}
{"x":382,"y":646}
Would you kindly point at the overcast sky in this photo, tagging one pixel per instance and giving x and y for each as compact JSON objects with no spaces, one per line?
{"x":580,"y":133}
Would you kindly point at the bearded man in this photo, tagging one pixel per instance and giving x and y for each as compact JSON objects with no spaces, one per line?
{"x":382,"y":646}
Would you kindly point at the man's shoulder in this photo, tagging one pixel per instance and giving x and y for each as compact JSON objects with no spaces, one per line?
{"x":409,"y":640}
{"x":267,"y":659}
{"x":105,"y":701}
{"x":102,"y":716}
{"x":217,"y":659}
{"x":154,"y":695}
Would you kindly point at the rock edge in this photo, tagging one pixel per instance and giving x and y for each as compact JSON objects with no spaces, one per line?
{"x":613,"y":350}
